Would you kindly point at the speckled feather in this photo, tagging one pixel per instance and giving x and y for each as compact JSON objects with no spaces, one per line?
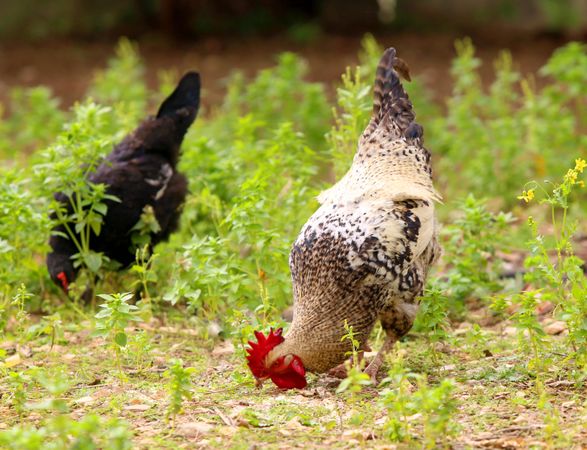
{"x":365,"y":253}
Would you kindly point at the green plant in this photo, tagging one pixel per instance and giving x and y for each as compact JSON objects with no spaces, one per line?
{"x":356,"y":379}
{"x":111,"y":321}
{"x":19,"y":382}
{"x":64,"y":167}
{"x":472,"y":241}
{"x":18,"y":303}
{"x":48,"y":325}
{"x":532,"y":335}
{"x":409,"y":400}
{"x":139,"y":350}
{"x":496,"y":138}
{"x":242,"y":260}
{"x":355,"y":102}
{"x":477,"y":340}
{"x":277,"y":95}
{"x":88,"y":433}
{"x":553,"y":268}
{"x":122,"y":86}
{"x":432,"y":317}
{"x":35,"y":119}
{"x":142,"y":268}
{"x":179,"y":386}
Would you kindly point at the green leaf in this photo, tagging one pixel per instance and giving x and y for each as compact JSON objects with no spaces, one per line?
{"x":121,"y":339}
{"x":102,"y":208}
{"x":93,"y":261}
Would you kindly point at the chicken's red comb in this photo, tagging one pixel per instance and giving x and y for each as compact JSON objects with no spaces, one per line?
{"x":64,"y":282}
{"x":257,"y":352}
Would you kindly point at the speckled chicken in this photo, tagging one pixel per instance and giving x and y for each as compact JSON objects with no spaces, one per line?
{"x":365,"y":253}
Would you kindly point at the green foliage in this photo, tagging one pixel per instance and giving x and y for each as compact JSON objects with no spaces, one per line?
{"x":277,"y":95}
{"x":122,"y":86}
{"x":432,"y":318}
{"x":145,"y":276}
{"x":18,"y":381}
{"x":472,"y":241}
{"x":249,"y":222}
{"x":18,"y":305}
{"x":356,"y":379}
{"x":410,"y":402}
{"x":355,"y":102}
{"x":87,"y":433}
{"x":111,"y":321}
{"x":532,"y":335}
{"x":179,"y":386}
{"x":23,"y":231}
{"x":63,"y":167}
{"x":554,"y":270}
{"x":35,"y":119}
{"x":498,"y":138}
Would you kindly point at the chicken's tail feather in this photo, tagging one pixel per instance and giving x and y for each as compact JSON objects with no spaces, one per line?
{"x":185,"y":95}
{"x":390,"y":100}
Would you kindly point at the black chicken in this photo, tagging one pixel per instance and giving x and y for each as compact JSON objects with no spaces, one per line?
{"x":140,"y":171}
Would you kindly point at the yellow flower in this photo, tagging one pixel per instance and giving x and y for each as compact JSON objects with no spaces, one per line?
{"x":527,"y":196}
{"x":571,"y":176}
{"x":581,"y":183}
{"x":580,"y":164}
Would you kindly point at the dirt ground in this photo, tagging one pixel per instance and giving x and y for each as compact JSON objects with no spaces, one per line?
{"x":67,"y":66}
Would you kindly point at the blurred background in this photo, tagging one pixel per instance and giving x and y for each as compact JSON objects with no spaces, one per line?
{"x":61,"y":43}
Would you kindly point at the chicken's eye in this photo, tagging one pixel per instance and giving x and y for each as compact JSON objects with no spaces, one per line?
{"x":277,"y":363}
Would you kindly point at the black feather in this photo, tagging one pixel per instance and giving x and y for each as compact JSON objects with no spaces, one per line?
{"x":140,"y":171}
{"x":185,"y":95}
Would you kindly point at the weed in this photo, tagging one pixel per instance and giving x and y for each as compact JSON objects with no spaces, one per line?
{"x":356,"y":379}
{"x":18,"y":303}
{"x":111,"y":321}
{"x":179,"y":386}
{"x":18,"y":382}
{"x":472,"y":242}
{"x":432,"y":318}
{"x":432,"y":407}
{"x":142,"y":268}
{"x":554,"y":270}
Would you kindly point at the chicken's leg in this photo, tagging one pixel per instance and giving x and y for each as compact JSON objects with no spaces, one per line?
{"x":376,"y":362}
{"x":396,"y":322}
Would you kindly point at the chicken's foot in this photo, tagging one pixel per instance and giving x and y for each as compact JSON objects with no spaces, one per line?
{"x":376,"y":362}
{"x":340,"y":371}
